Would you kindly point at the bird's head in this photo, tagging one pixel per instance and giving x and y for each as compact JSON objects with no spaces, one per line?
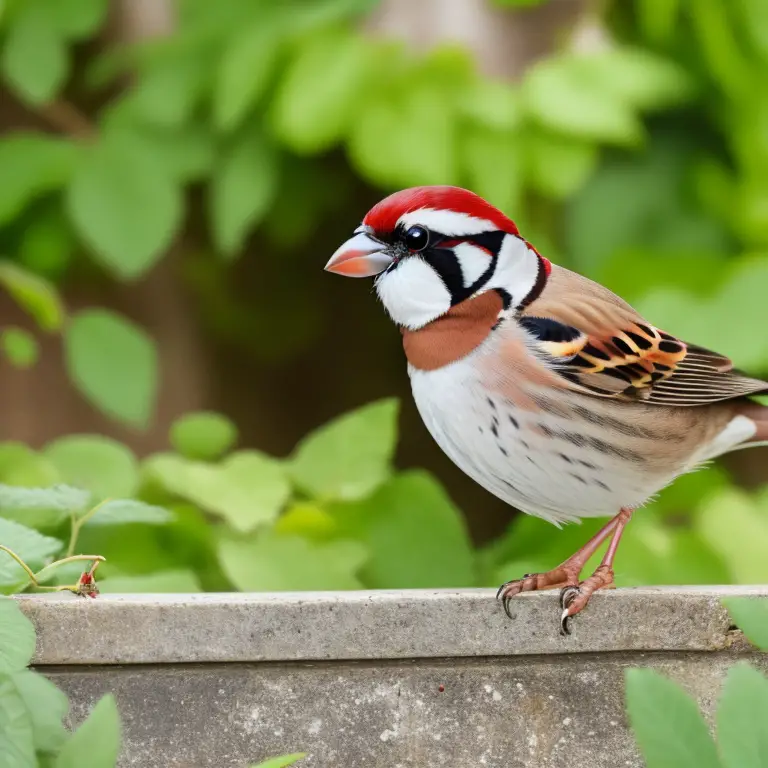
{"x":434,"y":247}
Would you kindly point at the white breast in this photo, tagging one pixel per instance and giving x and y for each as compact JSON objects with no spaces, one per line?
{"x":503,"y":448}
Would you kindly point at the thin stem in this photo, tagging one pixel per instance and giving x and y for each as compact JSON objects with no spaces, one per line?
{"x":78,"y":523}
{"x":63,"y":561}
{"x":31,"y":575}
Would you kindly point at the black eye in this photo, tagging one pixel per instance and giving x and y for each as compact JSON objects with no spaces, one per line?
{"x":417,"y":238}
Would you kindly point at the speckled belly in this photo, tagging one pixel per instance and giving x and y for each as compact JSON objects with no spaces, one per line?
{"x":564,"y":458}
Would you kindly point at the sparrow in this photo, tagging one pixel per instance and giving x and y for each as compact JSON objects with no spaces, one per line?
{"x":543,"y":386}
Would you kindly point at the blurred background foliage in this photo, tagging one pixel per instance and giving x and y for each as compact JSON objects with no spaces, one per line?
{"x":174,"y":174}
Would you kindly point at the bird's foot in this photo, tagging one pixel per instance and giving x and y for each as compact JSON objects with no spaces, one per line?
{"x":574,"y":597}
{"x":533,"y":582}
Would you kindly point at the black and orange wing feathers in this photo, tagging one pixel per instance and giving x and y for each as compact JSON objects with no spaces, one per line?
{"x":600,"y":344}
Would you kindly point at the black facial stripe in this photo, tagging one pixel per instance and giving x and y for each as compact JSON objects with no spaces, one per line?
{"x":445,"y":263}
{"x":490,"y":242}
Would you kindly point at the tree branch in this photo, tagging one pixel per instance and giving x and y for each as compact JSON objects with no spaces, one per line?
{"x":68,"y":119}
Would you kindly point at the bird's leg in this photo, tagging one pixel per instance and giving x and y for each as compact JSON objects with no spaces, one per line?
{"x":574,"y":598}
{"x":566,"y":574}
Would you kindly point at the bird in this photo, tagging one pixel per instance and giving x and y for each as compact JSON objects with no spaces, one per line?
{"x":543,"y":386}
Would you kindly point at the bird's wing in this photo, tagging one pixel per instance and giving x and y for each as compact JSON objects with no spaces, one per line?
{"x":600,"y":344}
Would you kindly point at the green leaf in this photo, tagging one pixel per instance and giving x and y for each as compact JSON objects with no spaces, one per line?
{"x":20,"y":465}
{"x":667,"y":724}
{"x":349,"y":457}
{"x":557,"y":165}
{"x":169,"y":91}
{"x":723,"y":52}
{"x":32,"y":547}
{"x":125,"y":204}
{"x":734,"y":525}
{"x":753,"y":14}
{"x":742,"y":713}
{"x":274,"y":563}
{"x":114,"y":364}
{"x":17,"y":637}
{"x":318,"y":96}
{"x":246,"y":70}
{"x":16,"y":733}
{"x":307,"y":520}
{"x":634,"y":274}
{"x":492,"y":105}
{"x":562,"y":99}
{"x":34,"y":57}
{"x":32,"y":164}
{"x":41,"y":506}
{"x":281,"y":762}
{"x":657,"y":19}
{"x":242,"y":189}
{"x":100,"y":464}
{"x":650,"y":209}
{"x":635,"y":76}
{"x":492,"y":164}
{"x":20,"y":347}
{"x":247,"y":489}
{"x":203,"y":435}
{"x":751,"y":616}
{"x":188,"y":152}
{"x":416,"y":536}
{"x":33,"y":294}
{"x":405,"y":139}
{"x":47,"y":705}
{"x":96,"y":743}
{"x":152,"y":583}
{"x":77,"y":19}
{"x":124,"y":511}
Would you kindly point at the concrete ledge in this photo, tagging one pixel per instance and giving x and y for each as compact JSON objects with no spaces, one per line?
{"x":414,"y":679}
{"x":160,"y":629}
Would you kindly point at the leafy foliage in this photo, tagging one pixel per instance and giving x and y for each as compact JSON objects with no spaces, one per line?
{"x":669,"y":729}
{"x":242,"y":519}
{"x":244,"y":98}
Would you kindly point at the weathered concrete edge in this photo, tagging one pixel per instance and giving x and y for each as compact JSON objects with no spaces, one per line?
{"x":157,"y":629}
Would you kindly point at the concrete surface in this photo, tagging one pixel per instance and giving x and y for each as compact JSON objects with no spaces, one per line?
{"x":396,"y":679}
{"x":137,"y":629}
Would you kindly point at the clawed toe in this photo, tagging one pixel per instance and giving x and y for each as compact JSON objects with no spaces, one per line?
{"x":531,"y":582}
{"x":509,"y":589}
{"x":574,"y":599}
{"x":568,"y":595}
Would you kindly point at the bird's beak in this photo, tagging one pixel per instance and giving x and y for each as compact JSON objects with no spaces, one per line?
{"x":360,"y":256}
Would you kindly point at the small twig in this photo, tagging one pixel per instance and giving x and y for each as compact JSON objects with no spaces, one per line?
{"x":68,"y":119}
{"x":86,"y":584}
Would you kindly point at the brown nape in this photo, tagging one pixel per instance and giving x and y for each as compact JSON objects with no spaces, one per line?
{"x":455,"y":334}
{"x":759,"y":414}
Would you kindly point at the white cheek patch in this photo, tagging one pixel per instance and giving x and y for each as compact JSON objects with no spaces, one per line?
{"x":413,"y":293}
{"x":474,"y":262}
{"x":450,"y":223}
{"x":517,"y":270}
